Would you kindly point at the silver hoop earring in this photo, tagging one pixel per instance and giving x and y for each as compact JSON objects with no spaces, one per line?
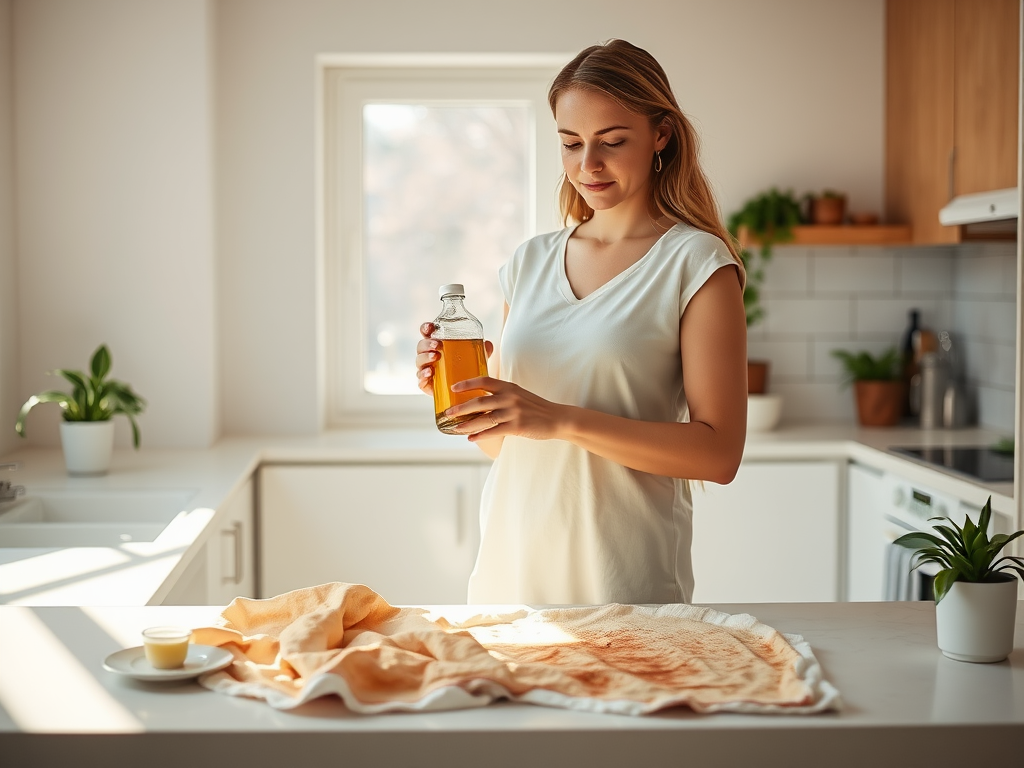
{"x":657,"y":162}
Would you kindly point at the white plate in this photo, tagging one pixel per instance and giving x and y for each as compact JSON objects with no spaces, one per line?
{"x":201,"y":659}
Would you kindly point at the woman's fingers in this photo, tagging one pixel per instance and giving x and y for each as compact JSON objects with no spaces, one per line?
{"x":425,"y":380}
{"x":488,"y":348}
{"x":427,"y":353}
{"x":486,"y":383}
{"x":427,"y":357}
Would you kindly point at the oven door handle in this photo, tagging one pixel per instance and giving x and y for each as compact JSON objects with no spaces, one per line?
{"x":892,"y":531}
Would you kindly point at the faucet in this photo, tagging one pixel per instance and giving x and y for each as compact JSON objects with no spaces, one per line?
{"x":10,"y":492}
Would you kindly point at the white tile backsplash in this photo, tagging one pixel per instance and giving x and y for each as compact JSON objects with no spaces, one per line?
{"x":995,"y":407}
{"x":991,"y":363}
{"x":789,"y":359}
{"x":925,"y":270}
{"x":820,"y":299}
{"x":810,"y":401}
{"x":980,"y":272}
{"x":808,"y":316}
{"x":985,"y":319}
{"x":879,"y":316}
{"x":788,"y":273}
{"x":860,"y":271}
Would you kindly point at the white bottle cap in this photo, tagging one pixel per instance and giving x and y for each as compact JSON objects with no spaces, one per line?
{"x":452,"y":289}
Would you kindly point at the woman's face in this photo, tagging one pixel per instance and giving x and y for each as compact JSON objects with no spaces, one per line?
{"x":607,"y":151}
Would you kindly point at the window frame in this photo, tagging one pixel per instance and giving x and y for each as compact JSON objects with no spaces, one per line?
{"x":342,"y":83}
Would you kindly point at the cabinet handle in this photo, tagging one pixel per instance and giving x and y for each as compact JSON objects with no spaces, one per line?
{"x":236,"y":533}
{"x":459,"y":492}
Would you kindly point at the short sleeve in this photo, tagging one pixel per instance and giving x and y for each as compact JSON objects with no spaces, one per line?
{"x":508,"y":273}
{"x":703,"y":254}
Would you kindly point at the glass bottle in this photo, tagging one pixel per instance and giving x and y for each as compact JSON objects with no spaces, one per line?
{"x":461,"y":353}
{"x":911,"y":398}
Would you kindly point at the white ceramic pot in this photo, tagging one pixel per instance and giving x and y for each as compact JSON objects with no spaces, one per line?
{"x":88,"y":446}
{"x":763,"y":412}
{"x":974,"y":622}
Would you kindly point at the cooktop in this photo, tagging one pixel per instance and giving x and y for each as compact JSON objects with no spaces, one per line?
{"x":978,"y":463}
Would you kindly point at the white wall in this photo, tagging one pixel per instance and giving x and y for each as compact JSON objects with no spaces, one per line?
{"x":786,"y":93}
{"x":115,"y":221}
{"x":8,"y":263}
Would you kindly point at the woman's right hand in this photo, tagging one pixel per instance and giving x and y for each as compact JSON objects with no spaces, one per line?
{"x":428,"y":352}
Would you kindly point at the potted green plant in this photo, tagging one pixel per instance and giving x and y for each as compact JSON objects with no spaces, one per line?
{"x":975,"y":594}
{"x":877,"y":383}
{"x":87,"y":431}
{"x":763,"y":220}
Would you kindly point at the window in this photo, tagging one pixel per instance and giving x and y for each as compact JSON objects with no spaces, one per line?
{"x":432,"y":171}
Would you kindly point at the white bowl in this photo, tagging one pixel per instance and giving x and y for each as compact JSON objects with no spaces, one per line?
{"x":763,"y":412}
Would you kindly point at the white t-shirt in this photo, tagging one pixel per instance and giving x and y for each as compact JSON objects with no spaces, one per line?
{"x":561,"y":525}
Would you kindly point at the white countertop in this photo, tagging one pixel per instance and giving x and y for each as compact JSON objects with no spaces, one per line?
{"x":142,"y":573}
{"x":905,"y":704}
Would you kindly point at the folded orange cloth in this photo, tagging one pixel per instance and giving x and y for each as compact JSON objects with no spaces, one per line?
{"x":345,"y":639}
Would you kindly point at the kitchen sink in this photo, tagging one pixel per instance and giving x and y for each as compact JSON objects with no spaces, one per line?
{"x":59,"y":518}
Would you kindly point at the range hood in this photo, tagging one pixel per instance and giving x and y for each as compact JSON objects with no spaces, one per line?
{"x":997,"y":205}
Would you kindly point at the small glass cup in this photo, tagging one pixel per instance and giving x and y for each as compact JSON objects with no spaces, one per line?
{"x":166,"y":647}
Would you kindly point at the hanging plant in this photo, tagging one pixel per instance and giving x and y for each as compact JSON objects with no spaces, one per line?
{"x":766,"y":219}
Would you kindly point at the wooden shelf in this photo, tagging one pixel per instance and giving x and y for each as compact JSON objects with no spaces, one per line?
{"x":844,"y":234}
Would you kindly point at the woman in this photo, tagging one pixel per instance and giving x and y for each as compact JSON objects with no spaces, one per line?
{"x":622,"y":368}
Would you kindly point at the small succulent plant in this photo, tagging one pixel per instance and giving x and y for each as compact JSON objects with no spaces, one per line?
{"x":965,"y":554}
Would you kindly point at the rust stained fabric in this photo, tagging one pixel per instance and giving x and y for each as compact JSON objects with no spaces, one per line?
{"x":345,"y":639}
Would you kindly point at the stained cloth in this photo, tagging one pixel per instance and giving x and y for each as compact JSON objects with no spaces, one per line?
{"x":346,"y":640}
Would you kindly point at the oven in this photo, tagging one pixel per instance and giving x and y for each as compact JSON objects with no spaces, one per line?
{"x":882,"y":506}
{"x":908,"y":511}
{"x":909,"y":507}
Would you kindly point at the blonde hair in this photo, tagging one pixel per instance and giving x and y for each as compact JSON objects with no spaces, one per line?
{"x":636,"y":81}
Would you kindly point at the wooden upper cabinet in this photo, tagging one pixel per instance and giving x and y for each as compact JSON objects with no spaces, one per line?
{"x":951,"y":107}
{"x":985,"y":89}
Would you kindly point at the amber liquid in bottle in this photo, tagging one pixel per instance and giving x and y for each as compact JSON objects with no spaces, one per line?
{"x":461,"y":359}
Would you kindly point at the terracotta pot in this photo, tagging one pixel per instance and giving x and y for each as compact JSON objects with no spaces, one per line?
{"x":879,"y":403}
{"x":828,"y":210}
{"x":757,"y":377}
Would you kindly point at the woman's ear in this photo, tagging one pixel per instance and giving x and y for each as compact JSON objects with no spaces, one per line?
{"x":662,"y":134}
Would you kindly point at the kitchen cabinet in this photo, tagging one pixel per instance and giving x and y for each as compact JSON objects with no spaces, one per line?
{"x":865,"y":541}
{"x":231,"y":550}
{"x":951,"y":107}
{"x":771,"y":535}
{"x":191,"y":587}
{"x":224,"y":568}
{"x":410,"y":532}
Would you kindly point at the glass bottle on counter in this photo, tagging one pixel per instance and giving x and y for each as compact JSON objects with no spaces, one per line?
{"x":462,"y":355}
{"x":911,"y":398}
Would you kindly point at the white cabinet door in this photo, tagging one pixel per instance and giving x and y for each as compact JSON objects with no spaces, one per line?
{"x":769,"y":536}
{"x":231,"y":550}
{"x":410,"y":532}
{"x":191,"y":586}
{"x":865,"y":542}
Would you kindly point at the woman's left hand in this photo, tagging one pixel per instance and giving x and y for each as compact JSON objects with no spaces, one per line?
{"x":507,"y":410}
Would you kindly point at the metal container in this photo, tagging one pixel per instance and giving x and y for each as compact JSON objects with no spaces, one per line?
{"x":934,"y":380}
{"x":954,"y":406}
